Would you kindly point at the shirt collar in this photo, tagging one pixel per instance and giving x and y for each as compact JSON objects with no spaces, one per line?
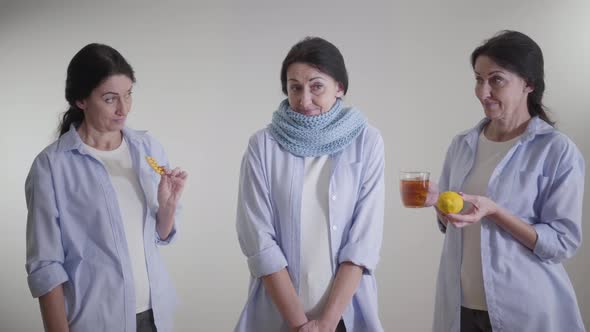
{"x":536,"y":126}
{"x":71,"y":139}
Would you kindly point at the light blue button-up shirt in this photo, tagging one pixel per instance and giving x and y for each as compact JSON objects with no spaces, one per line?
{"x":75,"y":235}
{"x":268,"y":223}
{"x":541,"y":181}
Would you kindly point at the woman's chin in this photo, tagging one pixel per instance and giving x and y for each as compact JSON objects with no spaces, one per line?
{"x":117,"y":125}
{"x":310,"y":113}
{"x":492,"y":114}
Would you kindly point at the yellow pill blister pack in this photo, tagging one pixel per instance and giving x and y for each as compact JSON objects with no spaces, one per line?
{"x":157,"y":168}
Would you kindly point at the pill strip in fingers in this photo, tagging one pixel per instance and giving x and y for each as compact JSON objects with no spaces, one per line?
{"x":157,"y":168}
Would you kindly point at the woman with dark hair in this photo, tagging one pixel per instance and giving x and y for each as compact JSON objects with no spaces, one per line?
{"x":310,"y":205}
{"x":97,"y":210}
{"x":523,"y":182}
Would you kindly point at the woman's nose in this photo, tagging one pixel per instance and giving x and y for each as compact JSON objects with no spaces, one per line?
{"x":306,"y":99}
{"x":483,"y":91}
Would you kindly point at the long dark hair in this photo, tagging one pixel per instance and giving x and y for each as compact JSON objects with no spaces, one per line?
{"x":519,"y":54}
{"x":320,"y":54}
{"x":88,"y":69}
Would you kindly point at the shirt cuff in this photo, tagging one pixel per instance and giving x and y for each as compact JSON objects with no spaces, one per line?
{"x":168,"y":240}
{"x":46,"y":278}
{"x":543,"y":248}
{"x":268,"y":261}
{"x":360,"y":256}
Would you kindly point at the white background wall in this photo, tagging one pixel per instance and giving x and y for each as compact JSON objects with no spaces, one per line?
{"x":208,"y":77}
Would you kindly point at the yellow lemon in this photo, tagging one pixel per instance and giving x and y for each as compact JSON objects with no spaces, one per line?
{"x":450,"y":202}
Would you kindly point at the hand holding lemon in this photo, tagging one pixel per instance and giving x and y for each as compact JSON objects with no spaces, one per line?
{"x":449,"y":202}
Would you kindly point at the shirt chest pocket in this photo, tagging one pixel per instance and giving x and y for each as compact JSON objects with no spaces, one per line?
{"x":528,"y":187}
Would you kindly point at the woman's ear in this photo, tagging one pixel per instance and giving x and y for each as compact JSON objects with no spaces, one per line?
{"x":81,"y":104}
{"x":340,"y":91}
{"x":528,"y":88}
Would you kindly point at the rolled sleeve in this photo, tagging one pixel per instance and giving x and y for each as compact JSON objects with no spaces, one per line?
{"x":255,"y":229}
{"x":559,"y":232}
{"x":268,"y":261}
{"x":45,"y":253}
{"x":359,"y":255}
{"x":366,"y":232}
{"x":46,"y":278}
{"x":544,"y":247}
{"x":554,"y":246}
{"x":170,"y":239}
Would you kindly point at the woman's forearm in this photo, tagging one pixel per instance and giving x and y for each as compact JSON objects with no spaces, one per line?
{"x":165,"y":221}
{"x":53,"y":310}
{"x":283,"y":294}
{"x":520,"y":230}
{"x":345,"y":285}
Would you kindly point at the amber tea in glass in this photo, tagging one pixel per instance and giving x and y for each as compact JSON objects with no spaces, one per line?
{"x":414,"y":188}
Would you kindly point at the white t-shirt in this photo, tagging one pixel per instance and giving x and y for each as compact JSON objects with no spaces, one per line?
{"x":316,"y":263}
{"x":132,"y":205}
{"x":488,"y":156}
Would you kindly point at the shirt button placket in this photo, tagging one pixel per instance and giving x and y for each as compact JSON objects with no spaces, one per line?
{"x":334,"y":227}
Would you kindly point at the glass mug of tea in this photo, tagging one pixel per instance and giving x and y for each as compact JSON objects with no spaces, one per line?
{"x":414,"y":188}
